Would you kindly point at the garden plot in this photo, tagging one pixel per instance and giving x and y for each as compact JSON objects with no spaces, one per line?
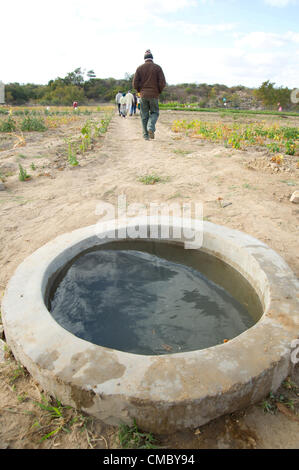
{"x":39,"y":141}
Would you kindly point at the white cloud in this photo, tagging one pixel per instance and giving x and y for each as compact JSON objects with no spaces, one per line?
{"x":230,"y":66}
{"x":281,"y":3}
{"x":197,"y":29}
{"x":259,"y":39}
{"x":128,"y":12}
{"x":294,"y":37}
{"x":166,"y":6}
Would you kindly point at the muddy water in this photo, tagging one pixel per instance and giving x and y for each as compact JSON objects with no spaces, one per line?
{"x":139,"y":302}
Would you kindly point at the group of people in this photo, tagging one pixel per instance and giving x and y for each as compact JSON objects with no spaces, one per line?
{"x":127,"y":103}
{"x":149,"y":81}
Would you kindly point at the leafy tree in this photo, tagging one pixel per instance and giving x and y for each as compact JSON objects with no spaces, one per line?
{"x":271,"y":96}
{"x":63,"y":91}
{"x":204,"y":89}
{"x":64,"y":95}
{"x":91,"y":74}
{"x":212,"y":93}
{"x":16,"y":93}
{"x":75,"y":78}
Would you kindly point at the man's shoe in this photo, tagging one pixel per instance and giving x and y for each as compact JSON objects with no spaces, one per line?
{"x":146,"y":137}
{"x":151,"y":134}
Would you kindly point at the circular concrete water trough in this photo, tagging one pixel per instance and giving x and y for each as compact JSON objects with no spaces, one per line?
{"x":162,"y":393}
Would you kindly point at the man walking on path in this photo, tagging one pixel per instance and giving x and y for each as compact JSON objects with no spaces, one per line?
{"x":123,"y":105}
{"x":117,"y":101}
{"x":149,"y":81}
{"x":130,"y":101}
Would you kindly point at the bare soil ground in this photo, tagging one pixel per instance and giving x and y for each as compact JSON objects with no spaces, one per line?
{"x":59,"y":198}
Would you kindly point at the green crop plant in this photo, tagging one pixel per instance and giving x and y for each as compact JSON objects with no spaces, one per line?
{"x":86,"y":131}
{"x":149,"y":179}
{"x":240,"y":135}
{"x":84,"y":144}
{"x":71,"y":156}
{"x":96,"y":130}
{"x":105,"y":122}
{"x":235,"y":141}
{"x":290,"y":147}
{"x":104,"y":125}
{"x":23,"y":176}
{"x":290,"y":133}
{"x":273,"y":147}
{"x":8,"y":126}
{"x":260,"y":131}
{"x":30,"y":124}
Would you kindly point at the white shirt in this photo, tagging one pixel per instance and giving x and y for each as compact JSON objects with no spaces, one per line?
{"x":118,"y":97}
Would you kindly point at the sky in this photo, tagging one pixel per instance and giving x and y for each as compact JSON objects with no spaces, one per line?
{"x":231,"y":42}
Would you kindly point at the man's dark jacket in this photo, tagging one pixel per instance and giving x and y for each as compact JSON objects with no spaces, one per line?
{"x":149,"y":80}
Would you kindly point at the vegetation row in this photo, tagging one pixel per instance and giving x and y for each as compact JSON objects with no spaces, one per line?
{"x":86,"y":88}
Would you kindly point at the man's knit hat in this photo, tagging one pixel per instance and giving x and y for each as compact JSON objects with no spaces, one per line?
{"x":148,"y":54}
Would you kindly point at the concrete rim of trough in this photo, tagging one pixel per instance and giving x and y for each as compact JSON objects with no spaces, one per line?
{"x":166,"y":392}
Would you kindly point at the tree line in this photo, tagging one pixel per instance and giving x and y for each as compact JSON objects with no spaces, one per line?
{"x":85,"y":88}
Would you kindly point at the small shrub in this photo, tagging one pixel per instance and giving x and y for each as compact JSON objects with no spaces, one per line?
{"x":290,"y":133}
{"x":290,"y":147}
{"x":149,"y":179}
{"x":23,"y":176}
{"x":33,"y":124}
{"x":273,"y":147}
{"x":8,"y":126}
{"x":131,"y":438}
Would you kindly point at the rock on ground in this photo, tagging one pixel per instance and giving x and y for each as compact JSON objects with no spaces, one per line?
{"x":295,"y":197}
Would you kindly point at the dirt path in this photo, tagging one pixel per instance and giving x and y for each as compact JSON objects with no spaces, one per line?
{"x":36,"y":211}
